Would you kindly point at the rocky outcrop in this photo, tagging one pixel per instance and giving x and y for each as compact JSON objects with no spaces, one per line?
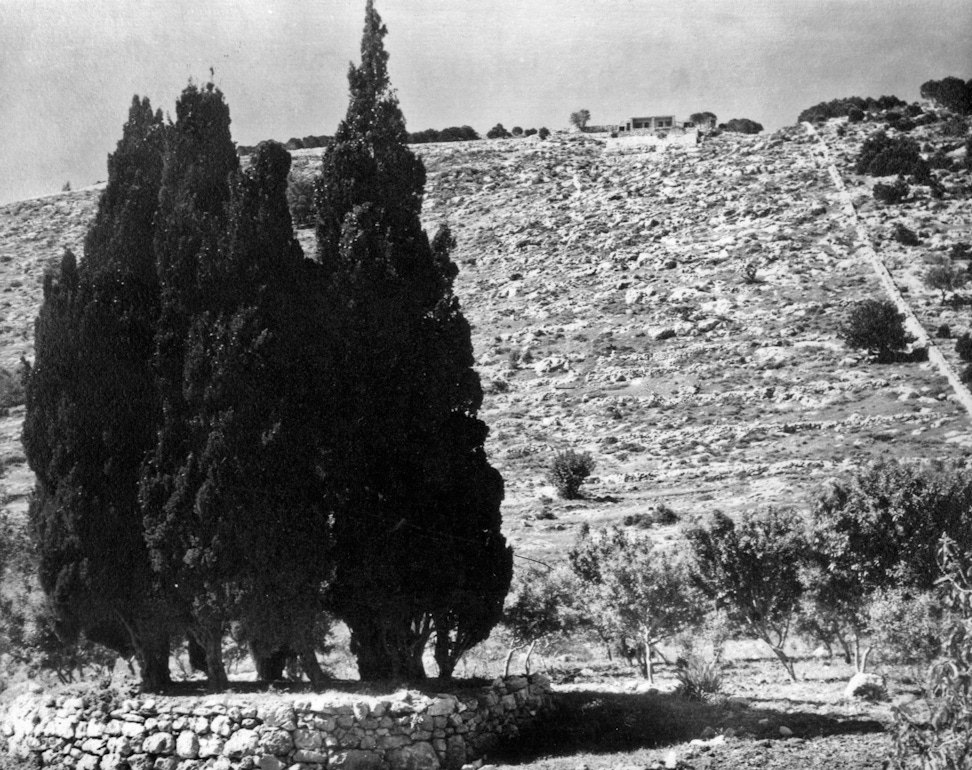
{"x":404,"y":731}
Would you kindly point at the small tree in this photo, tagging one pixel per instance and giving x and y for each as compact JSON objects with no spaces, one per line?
{"x":517,"y":131}
{"x":633,"y":588}
{"x":875,"y":325}
{"x":543,"y":133}
{"x":498,"y":132}
{"x":944,"y":276}
{"x":569,"y":470}
{"x":875,"y":532}
{"x":704,"y":119}
{"x":580,"y":119}
{"x":752,"y":570}
{"x":539,"y":607}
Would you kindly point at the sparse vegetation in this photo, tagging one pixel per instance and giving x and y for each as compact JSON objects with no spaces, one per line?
{"x":881,"y":155}
{"x":741,"y":126}
{"x":893,"y":193}
{"x":498,"y":132}
{"x":945,"y":277}
{"x":876,"y":325}
{"x":580,"y":119}
{"x":569,"y":470}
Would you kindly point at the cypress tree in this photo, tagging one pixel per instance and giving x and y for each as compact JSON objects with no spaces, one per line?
{"x":419,"y":529}
{"x":190,"y":227}
{"x":92,"y":415}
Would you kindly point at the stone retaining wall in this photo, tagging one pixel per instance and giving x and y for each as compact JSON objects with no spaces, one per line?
{"x":404,"y":731}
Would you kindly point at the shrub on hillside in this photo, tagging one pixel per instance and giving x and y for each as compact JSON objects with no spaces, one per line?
{"x":699,"y":678}
{"x":742,"y":126}
{"x":544,"y":132}
{"x":963,"y":346}
{"x":881,"y":155}
{"x":530,"y":132}
{"x":517,"y":131}
{"x":300,"y":199}
{"x":851,"y":106}
{"x":569,"y":470}
{"x":498,"y":132}
{"x":875,"y":325}
{"x":951,"y":93}
{"x":11,"y":389}
{"x":891,"y":194}
{"x":905,"y":235}
{"x":945,"y":277}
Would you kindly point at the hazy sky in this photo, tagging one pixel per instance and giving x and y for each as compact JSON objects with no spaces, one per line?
{"x":69,"y":68}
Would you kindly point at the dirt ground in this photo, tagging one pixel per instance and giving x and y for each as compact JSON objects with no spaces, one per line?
{"x":609,"y":719}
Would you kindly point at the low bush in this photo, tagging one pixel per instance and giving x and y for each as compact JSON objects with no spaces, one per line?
{"x":568,"y":472}
{"x":943,"y":332}
{"x":699,"y":678}
{"x":11,"y":389}
{"x":963,"y":346}
{"x":881,"y":155}
{"x":945,"y":277}
{"x":905,"y":235}
{"x":966,"y":375}
{"x":742,"y":126}
{"x":543,"y":133}
{"x":875,"y":325}
{"x":960,"y":251}
{"x":891,"y":194}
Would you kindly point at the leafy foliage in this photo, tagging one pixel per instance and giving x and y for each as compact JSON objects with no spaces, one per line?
{"x":580,"y":119}
{"x":699,"y":678}
{"x":704,"y":119}
{"x":450,"y":134}
{"x":963,"y":346}
{"x":877,"y":532}
{"x":881,"y":155}
{"x":741,"y":126}
{"x":853,"y":107}
{"x":875,"y":325}
{"x":891,"y":193}
{"x":498,"y":132}
{"x":951,"y":93}
{"x":936,"y":732}
{"x":944,"y":276}
{"x":633,"y":588}
{"x":544,"y":132}
{"x":568,"y":471}
{"x":300,"y":199}
{"x":752,"y":570}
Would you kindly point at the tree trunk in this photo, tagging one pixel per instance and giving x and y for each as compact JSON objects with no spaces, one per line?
{"x":152,"y":654}
{"x":311,"y":666}
{"x":526,"y":659}
{"x":860,"y":661}
{"x":270,"y":668}
{"x":649,"y":662}
{"x":785,"y":660}
{"x":210,"y":638}
{"x":384,"y":653}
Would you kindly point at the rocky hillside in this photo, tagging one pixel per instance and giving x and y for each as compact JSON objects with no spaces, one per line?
{"x":613,"y":314}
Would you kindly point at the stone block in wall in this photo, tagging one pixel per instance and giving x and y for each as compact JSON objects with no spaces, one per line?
{"x":455,"y":751}
{"x":140,"y":762}
{"x":221,"y":725}
{"x":275,"y":741}
{"x":282,"y":716}
{"x":241,"y":743}
{"x":187,"y":745}
{"x":308,"y":739}
{"x":88,"y":762}
{"x":354,"y":759}
{"x":113,"y":762}
{"x":305,"y":756}
{"x":159,"y":743}
{"x":270,"y":762}
{"x":210,"y":746}
{"x":418,"y":756}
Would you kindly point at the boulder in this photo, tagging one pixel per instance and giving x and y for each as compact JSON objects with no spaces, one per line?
{"x":866,"y":687}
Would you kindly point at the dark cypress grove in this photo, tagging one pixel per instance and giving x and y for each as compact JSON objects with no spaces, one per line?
{"x":92,"y":415}
{"x":417,"y":542}
{"x":248,"y":537}
{"x":190,"y":228}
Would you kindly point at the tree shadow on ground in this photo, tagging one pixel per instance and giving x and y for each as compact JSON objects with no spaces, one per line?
{"x":592,"y":722}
